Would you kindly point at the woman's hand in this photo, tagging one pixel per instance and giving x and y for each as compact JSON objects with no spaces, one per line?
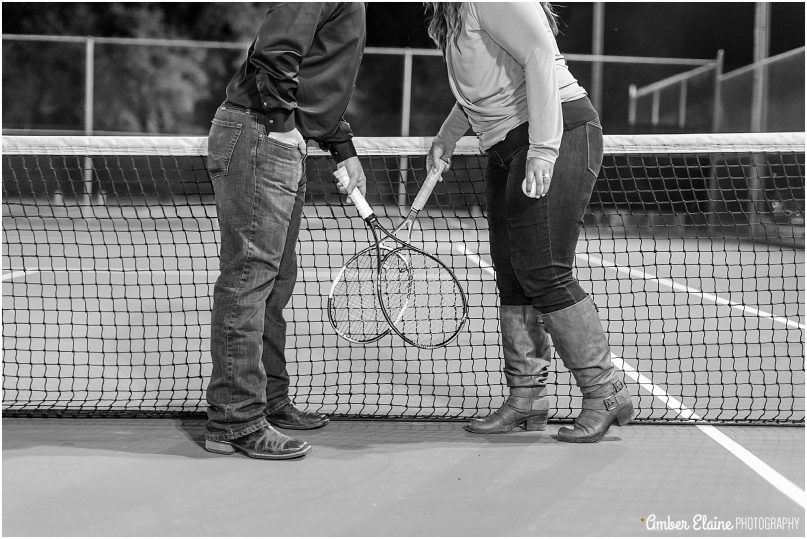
{"x":538,"y":177}
{"x":434,"y":157}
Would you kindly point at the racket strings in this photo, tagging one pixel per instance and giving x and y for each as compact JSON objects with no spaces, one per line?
{"x":423,"y":300}
{"x":353,"y":304}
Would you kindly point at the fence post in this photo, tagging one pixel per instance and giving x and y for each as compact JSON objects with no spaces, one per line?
{"x":682,"y":105}
{"x":758,"y":172}
{"x":718,"y":100}
{"x":598,"y":39}
{"x":89,"y":97}
{"x":654,"y":108}
{"x":761,"y":47}
{"x":406,"y":111}
{"x":715,"y":204}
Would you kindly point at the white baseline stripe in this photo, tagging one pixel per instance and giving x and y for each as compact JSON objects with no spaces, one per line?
{"x":669,"y":283}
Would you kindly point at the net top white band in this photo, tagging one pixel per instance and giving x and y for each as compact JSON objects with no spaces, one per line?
{"x":404,"y":146}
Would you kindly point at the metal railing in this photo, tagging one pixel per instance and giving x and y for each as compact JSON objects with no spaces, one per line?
{"x":406,"y":53}
{"x":683,"y":80}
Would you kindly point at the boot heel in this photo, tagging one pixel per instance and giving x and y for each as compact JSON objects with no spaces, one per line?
{"x":625,"y":415}
{"x":536,"y":422}
{"x":223,"y":448}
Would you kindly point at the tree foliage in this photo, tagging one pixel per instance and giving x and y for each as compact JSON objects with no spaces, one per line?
{"x":146,"y":89}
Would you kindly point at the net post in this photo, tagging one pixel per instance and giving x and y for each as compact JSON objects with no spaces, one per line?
{"x":632,"y":97}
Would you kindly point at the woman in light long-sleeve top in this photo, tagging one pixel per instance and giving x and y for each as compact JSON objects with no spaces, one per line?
{"x":544,"y":145}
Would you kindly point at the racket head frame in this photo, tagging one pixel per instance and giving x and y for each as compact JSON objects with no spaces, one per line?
{"x":331,"y":308}
{"x":393,"y":323}
{"x":376,"y":248}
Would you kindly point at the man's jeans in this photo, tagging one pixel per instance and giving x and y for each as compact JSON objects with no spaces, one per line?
{"x":533,"y":241}
{"x":260,"y":188}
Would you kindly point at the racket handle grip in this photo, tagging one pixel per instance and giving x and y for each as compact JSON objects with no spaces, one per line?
{"x":434,"y":176}
{"x":343,"y":178}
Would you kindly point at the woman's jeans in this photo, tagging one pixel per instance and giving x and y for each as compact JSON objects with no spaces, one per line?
{"x":533,"y":240}
{"x":260,"y":186}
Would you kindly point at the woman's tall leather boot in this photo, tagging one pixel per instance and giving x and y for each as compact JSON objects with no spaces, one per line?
{"x":582,"y":345}
{"x":526,"y":350}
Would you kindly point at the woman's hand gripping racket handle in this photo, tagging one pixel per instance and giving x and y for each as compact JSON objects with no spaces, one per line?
{"x":355,"y":197}
{"x":435,"y":175}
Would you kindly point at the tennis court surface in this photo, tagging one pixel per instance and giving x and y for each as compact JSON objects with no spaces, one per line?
{"x":693,"y":251}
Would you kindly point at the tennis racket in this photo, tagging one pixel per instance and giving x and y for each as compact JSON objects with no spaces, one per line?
{"x":394,"y":286}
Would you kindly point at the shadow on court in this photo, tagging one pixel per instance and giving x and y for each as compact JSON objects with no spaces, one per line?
{"x":186,"y":437}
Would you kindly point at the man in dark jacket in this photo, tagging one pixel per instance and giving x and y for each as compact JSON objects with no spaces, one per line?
{"x":294,"y":85}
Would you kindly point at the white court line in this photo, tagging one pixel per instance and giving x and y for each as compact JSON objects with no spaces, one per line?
{"x":470,"y":255}
{"x":18,"y":273}
{"x":316,"y":272}
{"x":669,"y":283}
{"x":757,"y":465}
{"x":780,"y":482}
{"x":475,"y":258}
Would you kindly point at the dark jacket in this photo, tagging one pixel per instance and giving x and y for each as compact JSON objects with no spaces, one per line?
{"x":301,"y":69}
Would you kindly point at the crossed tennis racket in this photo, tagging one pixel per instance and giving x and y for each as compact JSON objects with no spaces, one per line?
{"x":394,"y":286}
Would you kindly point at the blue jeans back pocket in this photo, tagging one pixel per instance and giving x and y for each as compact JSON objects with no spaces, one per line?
{"x":220,"y":146}
{"x":595,"y":146}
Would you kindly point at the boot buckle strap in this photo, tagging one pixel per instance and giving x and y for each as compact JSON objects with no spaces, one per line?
{"x":617,"y":385}
{"x":610,"y":402}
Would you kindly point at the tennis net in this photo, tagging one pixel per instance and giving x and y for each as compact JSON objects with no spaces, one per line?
{"x":692,"y":249}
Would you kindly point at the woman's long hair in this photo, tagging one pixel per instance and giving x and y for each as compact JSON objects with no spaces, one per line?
{"x":446,"y":18}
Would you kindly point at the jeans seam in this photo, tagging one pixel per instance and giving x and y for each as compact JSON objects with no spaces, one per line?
{"x":236,"y":295}
{"x":226,"y":437}
{"x":277,"y":406}
{"x":552,"y":252}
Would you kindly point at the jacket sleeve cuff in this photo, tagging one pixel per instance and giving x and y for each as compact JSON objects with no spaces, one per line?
{"x":279,"y":121}
{"x":549,"y":155}
{"x":342,"y":150}
{"x":448,"y":146}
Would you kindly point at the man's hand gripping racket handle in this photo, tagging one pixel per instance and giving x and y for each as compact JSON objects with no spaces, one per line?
{"x":355,"y":197}
{"x":366,"y":212}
